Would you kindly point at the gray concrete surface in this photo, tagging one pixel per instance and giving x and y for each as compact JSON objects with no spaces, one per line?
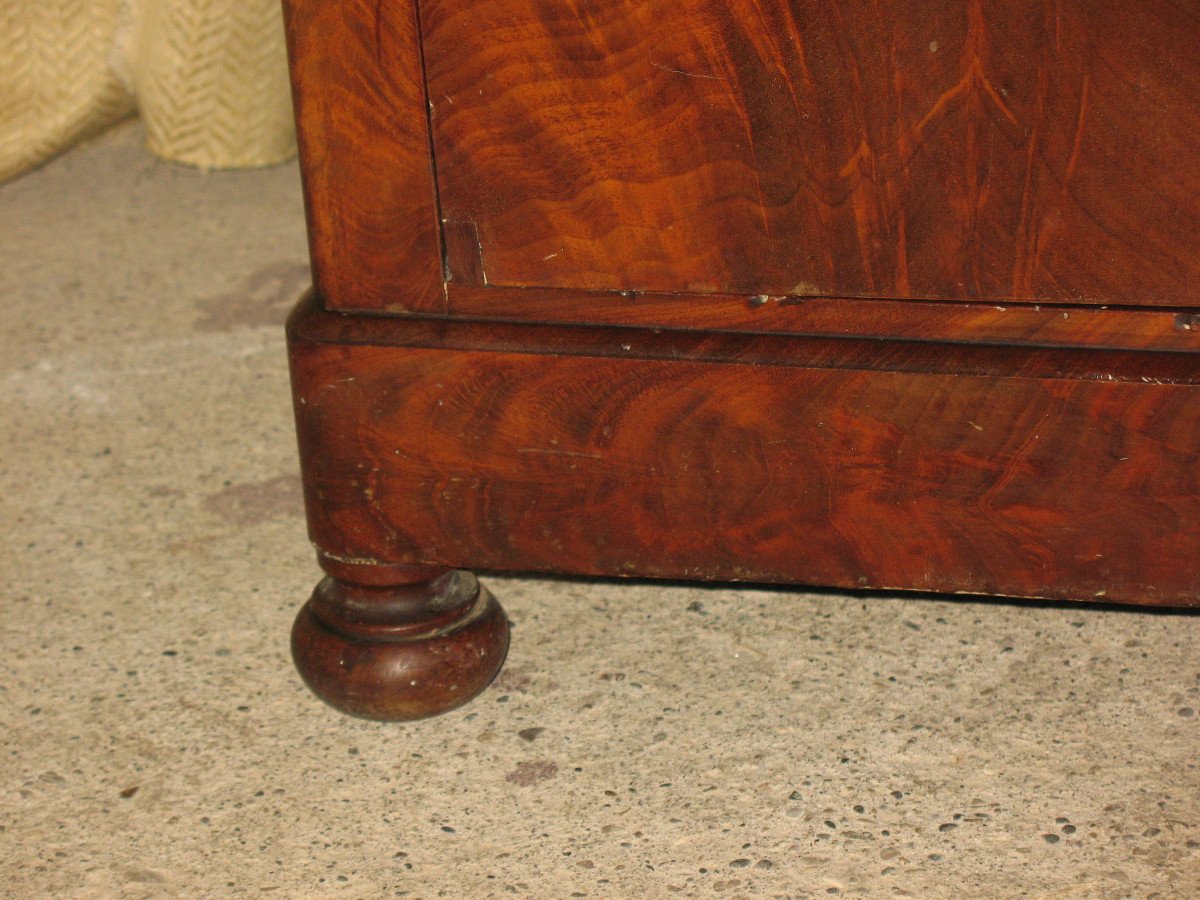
{"x":644,"y":740}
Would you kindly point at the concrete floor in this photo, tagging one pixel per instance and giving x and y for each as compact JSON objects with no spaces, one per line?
{"x":643,"y":740}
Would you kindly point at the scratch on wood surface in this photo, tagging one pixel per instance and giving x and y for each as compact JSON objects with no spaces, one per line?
{"x":553,"y":452}
{"x":350,"y":560}
{"x":479,"y":249}
{"x":686,"y":74}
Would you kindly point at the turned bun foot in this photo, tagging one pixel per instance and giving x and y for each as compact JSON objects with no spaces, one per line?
{"x":396,"y":643}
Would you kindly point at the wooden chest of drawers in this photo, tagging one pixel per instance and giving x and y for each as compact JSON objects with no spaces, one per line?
{"x":899,"y":295}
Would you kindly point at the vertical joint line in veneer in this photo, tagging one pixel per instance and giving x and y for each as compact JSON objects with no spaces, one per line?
{"x":437,"y":197}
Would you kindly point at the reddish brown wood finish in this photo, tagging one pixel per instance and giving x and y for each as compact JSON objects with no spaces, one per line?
{"x":1016,"y":323}
{"x":1034,"y":473}
{"x":1003,"y":150}
{"x":397,"y":643}
{"x":696,"y":293}
{"x":364,"y":151}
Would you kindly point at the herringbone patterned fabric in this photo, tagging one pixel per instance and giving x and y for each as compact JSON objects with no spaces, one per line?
{"x":57,"y":83}
{"x":211,"y":80}
{"x":209,"y":77}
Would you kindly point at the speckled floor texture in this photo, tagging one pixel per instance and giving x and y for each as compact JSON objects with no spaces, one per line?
{"x":643,"y":741}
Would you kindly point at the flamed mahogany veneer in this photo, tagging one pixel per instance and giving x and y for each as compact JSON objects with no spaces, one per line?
{"x":899,"y":295}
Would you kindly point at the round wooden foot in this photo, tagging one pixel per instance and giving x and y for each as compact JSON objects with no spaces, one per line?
{"x":400,"y":651}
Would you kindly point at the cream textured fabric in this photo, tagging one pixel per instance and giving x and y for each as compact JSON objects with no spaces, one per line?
{"x":209,"y":77}
{"x":57,"y":83}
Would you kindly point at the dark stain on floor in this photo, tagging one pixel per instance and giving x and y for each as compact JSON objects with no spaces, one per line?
{"x":264,"y":298}
{"x":527,"y":774}
{"x":255,"y":502}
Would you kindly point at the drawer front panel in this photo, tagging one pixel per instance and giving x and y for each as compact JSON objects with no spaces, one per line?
{"x":1016,"y":150}
{"x":1063,"y":474}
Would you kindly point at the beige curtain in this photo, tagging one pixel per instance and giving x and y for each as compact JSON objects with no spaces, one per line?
{"x":208,"y":76}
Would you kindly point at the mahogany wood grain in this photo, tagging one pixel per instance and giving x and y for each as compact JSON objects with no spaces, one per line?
{"x":1024,"y":472}
{"x":1000,"y":150}
{"x":396,"y":643}
{"x":362,"y":126}
{"x":899,"y":294}
{"x":1049,"y":325}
